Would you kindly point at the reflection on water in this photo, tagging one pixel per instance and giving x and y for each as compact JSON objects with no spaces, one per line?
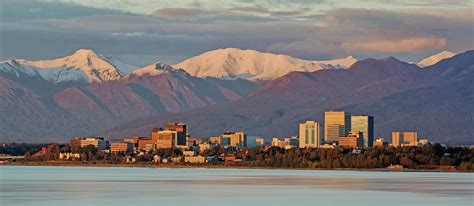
{"x":127,"y":186}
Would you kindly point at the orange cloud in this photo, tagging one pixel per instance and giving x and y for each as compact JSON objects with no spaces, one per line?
{"x":408,"y":45}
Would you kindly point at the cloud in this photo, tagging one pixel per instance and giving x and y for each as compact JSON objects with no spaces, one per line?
{"x":409,"y":45}
{"x":181,"y":12}
{"x":14,"y":11}
{"x":185,"y":30}
{"x":251,"y":9}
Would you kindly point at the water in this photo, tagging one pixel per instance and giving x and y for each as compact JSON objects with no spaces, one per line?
{"x":70,"y":186}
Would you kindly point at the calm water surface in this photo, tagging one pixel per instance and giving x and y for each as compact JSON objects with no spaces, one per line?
{"x":71,"y":186}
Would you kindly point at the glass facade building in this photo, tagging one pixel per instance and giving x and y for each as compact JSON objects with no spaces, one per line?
{"x":336,"y":124}
{"x":365,"y":125}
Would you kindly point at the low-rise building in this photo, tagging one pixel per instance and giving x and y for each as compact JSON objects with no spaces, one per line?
{"x":146,"y":144}
{"x":165,"y":138}
{"x":231,"y":139}
{"x":380,"y":142}
{"x":176,"y":159}
{"x":69,"y":156}
{"x":194,"y":141}
{"x":204,"y":146}
{"x":117,"y":147}
{"x":328,"y":146}
{"x":98,"y":142}
{"x":351,"y":140}
{"x":214,"y":140}
{"x":189,"y":153}
{"x":404,"y":139}
{"x":156,"y":159}
{"x":287,"y":143}
{"x":134,"y":140}
{"x":130,"y":159}
{"x":229,"y":158}
{"x":195,"y":159}
{"x":260,"y":141}
{"x":423,"y":142}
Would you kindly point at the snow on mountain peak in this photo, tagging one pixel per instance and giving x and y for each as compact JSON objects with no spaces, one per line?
{"x":234,"y":62}
{"x":341,"y":63}
{"x":83,"y":64}
{"x":153,"y":70}
{"x":435,"y":58}
{"x":84,"y":54}
{"x":255,"y":65}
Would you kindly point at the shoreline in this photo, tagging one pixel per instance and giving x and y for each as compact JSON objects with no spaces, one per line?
{"x":189,"y":166}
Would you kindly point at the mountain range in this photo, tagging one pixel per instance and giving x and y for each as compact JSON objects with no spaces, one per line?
{"x":232,"y":89}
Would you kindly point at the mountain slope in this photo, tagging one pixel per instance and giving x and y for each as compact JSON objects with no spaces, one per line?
{"x":45,"y":110}
{"x":251,"y":64}
{"x":438,"y":102}
{"x":435,"y":58}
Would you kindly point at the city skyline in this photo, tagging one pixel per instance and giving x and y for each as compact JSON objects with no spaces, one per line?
{"x":236,"y":102}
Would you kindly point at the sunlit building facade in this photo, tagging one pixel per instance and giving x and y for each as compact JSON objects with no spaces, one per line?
{"x":181,"y":131}
{"x":352,"y":140}
{"x":364,"y":124}
{"x":336,"y":124}
{"x":233,"y":139}
{"x":404,"y":139}
{"x":309,"y":134}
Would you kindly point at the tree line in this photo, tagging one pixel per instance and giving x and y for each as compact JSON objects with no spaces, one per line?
{"x":424,"y":157}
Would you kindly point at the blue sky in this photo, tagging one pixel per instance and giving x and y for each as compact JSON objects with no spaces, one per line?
{"x":143,"y":31}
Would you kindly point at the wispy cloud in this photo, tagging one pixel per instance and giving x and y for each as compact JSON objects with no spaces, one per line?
{"x":181,"y":12}
{"x":251,"y":9}
{"x":409,"y":45}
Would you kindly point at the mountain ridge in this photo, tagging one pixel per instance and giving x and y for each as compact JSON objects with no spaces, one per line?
{"x":391,"y":90}
{"x":433,"y":59}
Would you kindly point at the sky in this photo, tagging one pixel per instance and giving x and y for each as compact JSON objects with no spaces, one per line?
{"x":143,"y":31}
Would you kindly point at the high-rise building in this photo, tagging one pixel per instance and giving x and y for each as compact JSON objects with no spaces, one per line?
{"x":336,"y":124}
{"x":309,"y":134}
{"x":364,"y":124}
{"x":181,"y":131}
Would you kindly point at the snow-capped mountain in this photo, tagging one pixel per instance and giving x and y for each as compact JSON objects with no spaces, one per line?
{"x":82,"y":65}
{"x":435,"y":58}
{"x":251,"y":64}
